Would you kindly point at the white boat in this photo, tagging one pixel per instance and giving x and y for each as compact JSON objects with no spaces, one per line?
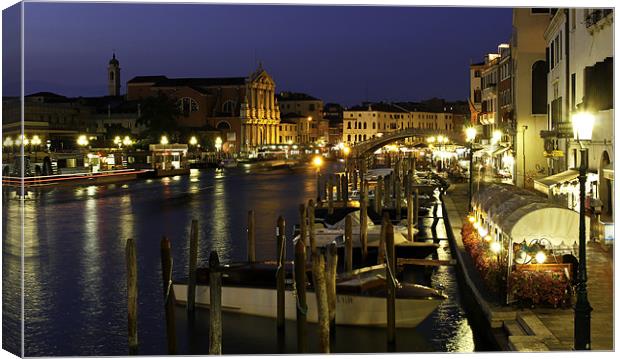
{"x":326,"y":234}
{"x":360,"y":296}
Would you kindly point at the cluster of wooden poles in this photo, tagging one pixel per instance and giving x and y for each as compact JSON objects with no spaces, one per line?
{"x":324,"y":262}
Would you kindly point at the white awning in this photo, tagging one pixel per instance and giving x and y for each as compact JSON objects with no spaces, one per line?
{"x":523,"y":215}
{"x":543,"y":184}
{"x":500,"y":150}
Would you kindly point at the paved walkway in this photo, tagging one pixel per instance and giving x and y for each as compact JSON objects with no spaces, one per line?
{"x":558,"y":322}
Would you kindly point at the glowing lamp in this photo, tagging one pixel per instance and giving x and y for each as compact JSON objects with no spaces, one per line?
{"x":583,"y":123}
{"x":496,"y":247}
{"x":470,"y":134}
{"x":164,"y":140}
{"x":487,"y":238}
{"x":317,"y":161}
{"x":541,"y":257}
{"x":471,"y":219}
{"x":193,"y":141}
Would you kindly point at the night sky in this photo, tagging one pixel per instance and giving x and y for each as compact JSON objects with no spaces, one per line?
{"x":339,"y":54}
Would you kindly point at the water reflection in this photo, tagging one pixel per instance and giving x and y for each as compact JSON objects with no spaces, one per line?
{"x":75,"y":263}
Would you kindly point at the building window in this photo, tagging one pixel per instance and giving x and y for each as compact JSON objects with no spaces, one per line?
{"x":311,"y":107}
{"x":228,"y":107}
{"x":187,"y":105}
{"x":539,"y":87}
{"x":374,"y":125}
{"x":349,"y":125}
{"x":349,"y":138}
{"x":364,"y":125}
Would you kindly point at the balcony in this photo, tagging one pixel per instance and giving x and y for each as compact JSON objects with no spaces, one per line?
{"x":593,"y":20}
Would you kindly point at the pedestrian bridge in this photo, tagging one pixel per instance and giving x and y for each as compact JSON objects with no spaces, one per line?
{"x":365,"y":148}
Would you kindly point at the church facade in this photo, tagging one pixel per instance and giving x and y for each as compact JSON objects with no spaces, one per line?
{"x":243,"y":110}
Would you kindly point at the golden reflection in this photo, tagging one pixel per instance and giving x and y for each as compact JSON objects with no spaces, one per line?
{"x":220,"y":237}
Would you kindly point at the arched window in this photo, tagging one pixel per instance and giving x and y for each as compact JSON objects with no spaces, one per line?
{"x":228,"y":107}
{"x":223,"y":126}
{"x":364,"y":125}
{"x":374,"y":125}
{"x":539,"y":87}
{"x":349,"y":125}
{"x":112,"y":75}
{"x":349,"y":138}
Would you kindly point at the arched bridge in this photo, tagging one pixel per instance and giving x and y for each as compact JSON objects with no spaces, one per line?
{"x":363,"y":149}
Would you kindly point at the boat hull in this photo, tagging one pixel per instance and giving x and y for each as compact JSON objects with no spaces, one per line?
{"x":358,"y":310}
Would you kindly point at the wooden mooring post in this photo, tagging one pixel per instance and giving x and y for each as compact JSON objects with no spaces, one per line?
{"x":348,"y":243}
{"x":318,"y":187}
{"x":330,"y":195}
{"x":332,"y":268}
{"x":344,"y":188}
{"x":311,"y":227}
{"x":281,"y":251}
{"x":364,"y":220}
{"x":416,"y":205}
{"x":410,"y":206}
{"x":379,"y":195}
{"x":387,"y":185}
{"x":300,"y":288}
{"x":215,"y":308}
{"x":385,"y":220}
{"x":169,"y":298}
{"x":251,"y":237}
{"x":320,"y":289}
{"x":391,"y":286}
{"x":193,"y":259}
{"x":398,"y":197}
{"x":338,"y":179}
{"x":132,"y":296}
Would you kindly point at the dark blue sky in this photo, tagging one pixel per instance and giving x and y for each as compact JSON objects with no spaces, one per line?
{"x":339,"y":54}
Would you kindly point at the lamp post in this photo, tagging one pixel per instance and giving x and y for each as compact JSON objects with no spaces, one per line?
{"x":582,"y":131}
{"x":164,"y":141}
{"x":82,"y":141}
{"x":470,"y":135}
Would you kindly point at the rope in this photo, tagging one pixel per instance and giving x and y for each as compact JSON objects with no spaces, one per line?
{"x":387,"y":264}
{"x":281,"y":255}
{"x":303,"y":310}
{"x":169,"y":281}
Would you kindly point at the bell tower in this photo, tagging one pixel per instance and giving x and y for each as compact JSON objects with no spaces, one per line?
{"x":114,"y":77}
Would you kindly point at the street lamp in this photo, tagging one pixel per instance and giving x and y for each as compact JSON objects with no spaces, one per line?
{"x":496,"y":137}
{"x":582,"y":130}
{"x":470,"y":135}
{"x":164,"y":140}
{"x":82,"y":141}
{"x":127,"y":141}
{"x":218,"y":144}
{"x":35,"y":141}
{"x":118,"y":142}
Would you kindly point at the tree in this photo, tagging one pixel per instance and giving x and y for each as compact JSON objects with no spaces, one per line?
{"x":159,"y":115}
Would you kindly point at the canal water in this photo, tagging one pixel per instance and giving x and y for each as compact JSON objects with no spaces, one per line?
{"x":74,"y":262}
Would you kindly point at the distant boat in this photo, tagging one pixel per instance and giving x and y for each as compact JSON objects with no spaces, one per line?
{"x":228,"y":163}
{"x":326,"y":234}
{"x":250,"y":288}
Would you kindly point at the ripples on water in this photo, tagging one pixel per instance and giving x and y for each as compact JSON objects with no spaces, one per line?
{"x":75,"y":265}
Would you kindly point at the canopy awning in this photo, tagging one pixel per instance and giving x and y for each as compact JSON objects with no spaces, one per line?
{"x":500,"y":150}
{"x":524,"y":215}
{"x":543,"y":184}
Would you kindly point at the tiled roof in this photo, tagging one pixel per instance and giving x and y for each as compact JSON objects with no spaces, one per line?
{"x":147,"y":79}
{"x":294,"y":96}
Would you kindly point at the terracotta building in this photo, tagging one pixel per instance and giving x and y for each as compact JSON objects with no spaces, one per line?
{"x":243,"y":109}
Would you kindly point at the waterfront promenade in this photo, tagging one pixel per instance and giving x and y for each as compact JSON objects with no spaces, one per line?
{"x":538,"y":329}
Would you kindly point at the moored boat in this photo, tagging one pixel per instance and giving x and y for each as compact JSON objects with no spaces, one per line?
{"x":249,"y":288}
